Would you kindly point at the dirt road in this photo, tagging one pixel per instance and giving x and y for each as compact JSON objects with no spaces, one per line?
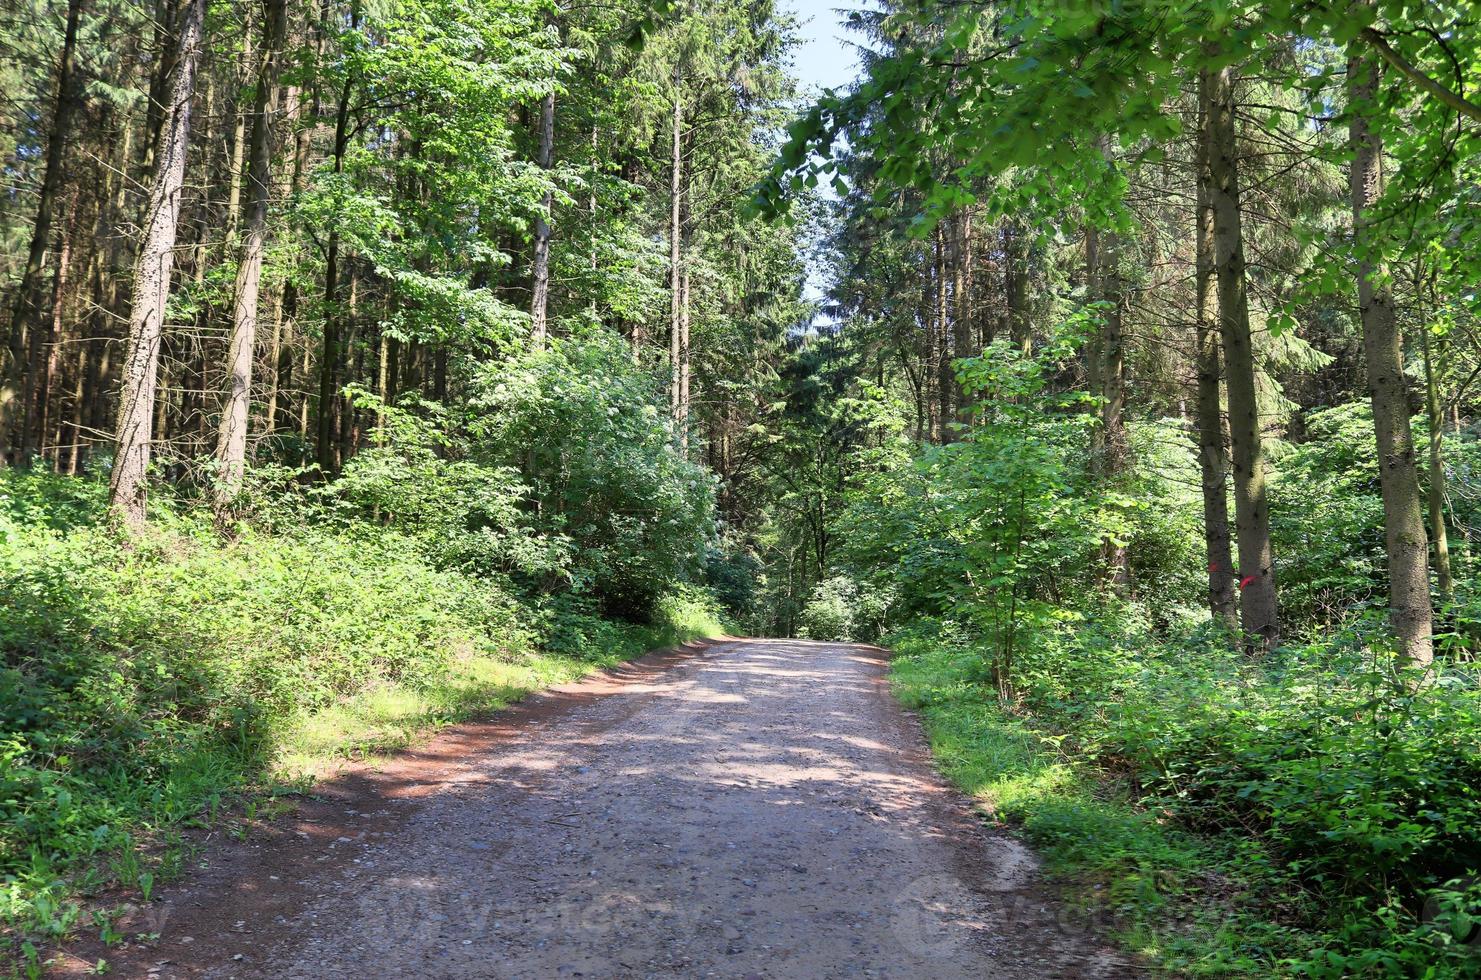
{"x":759,"y":809}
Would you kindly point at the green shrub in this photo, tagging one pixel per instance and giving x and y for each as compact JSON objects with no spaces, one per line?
{"x":140,"y":681}
{"x":828,"y":613}
{"x":587,"y":430}
{"x":1342,"y":801}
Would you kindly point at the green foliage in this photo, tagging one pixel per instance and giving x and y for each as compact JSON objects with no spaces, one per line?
{"x":828,"y":613}
{"x":1311,"y":814}
{"x":588,"y":432}
{"x":1318,"y":800}
{"x":141,"y":681}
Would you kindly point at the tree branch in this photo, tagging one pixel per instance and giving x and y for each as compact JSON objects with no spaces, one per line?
{"x":1454,"y":100}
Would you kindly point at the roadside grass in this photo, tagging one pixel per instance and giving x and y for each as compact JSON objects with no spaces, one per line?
{"x":1184,"y":903}
{"x":391,"y":717}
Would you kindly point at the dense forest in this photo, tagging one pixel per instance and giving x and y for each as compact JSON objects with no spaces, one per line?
{"x":370,"y":363}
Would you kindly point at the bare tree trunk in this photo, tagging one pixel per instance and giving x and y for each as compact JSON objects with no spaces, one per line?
{"x":540,"y":263}
{"x":1213,"y":454}
{"x":676,"y":256}
{"x":1408,"y":552}
{"x":151,"y":289}
{"x":79,"y":410}
{"x":1015,"y":286}
{"x":930,"y":421}
{"x":282,"y":411}
{"x":43,"y":372}
{"x":1436,"y":420}
{"x":348,"y":429}
{"x":231,"y":442}
{"x":1111,"y":452}
{"x":327,"y":431}
{"x":1258,"y":608}
{"x":961,"y":314}
{"x":100,"y":380}
{"x":1113,"y":360}
{"x":28,"y":293}
{"x":383,"y":375}
{"x":945,"y":379}
{"x":684,"y":361}
{"x":1095,"y":346}
{"x":277,"y":376}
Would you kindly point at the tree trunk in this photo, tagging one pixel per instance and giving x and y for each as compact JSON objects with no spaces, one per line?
{"x":43,"y":371}
{"x":540,"y":263}
{"x":684,"y":361}
{"x":1095,"y":346}
{"x":1436,"y":420}
{"x":231,"y":442}
{"x":676,"y":232}
{"x":348,"y":431}
{"x":327,"y":442}
{"x":930,"y":338}
{"x":235,"y":174}
{"x":1213,"y":454}
{"x":1112,"y":453}
{"x":1408,"y":551}
{"x":99,"y":381}
{"x":383,"y":375}
{"x":945,"y":379}
{"x":277,"y":349}
{"x":1113,"y":360}
{"x":28,"y":294}
{"x":961,"y":314}
{"x":1258,"y":608}
{"x":151,"y":289}
{"x":1015,"y":286}
{"x":79,"y":410}
{"x":283,"y":414}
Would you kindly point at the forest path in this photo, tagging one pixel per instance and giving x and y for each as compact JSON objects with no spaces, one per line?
{"x":761,"y":809}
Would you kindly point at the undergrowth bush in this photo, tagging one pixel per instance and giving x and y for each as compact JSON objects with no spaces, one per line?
{"x":1315,"y":812}
{"x":828,"y":613}
{"x":1319,"y":798}
{"x":139,"y":681}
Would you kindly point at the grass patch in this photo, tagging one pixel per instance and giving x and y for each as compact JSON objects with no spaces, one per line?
{"x":391,"y":717}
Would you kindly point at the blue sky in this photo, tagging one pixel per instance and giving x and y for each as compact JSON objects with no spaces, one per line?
{"x":825,"y":60}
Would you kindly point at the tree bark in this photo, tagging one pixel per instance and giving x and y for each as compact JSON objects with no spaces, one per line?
{"x":930,"y":339}
{"x":1258,"y":608}
{"x":1213,"y":453}
{"x":1094,"y":347}
{"x":684,"y":366}
{"x":1110,"y":450}
{"x":327,"y":432}
{"x":1408,"y":551}
{"x":28,"y":294}
{"x":961,"y":314}
{"x":1015,"y":286}
{"x":1436,"y":419}
{"x":151,"y":288}
{"x":945,"y":379}
{"x":540,"y":263}
{"x":355,"y":352}
{"x":231,"y":441}
{"x":235,"y":174}
{"x":79,"y":410}
{"x":676,"y":257}
{"x":43,"y":369}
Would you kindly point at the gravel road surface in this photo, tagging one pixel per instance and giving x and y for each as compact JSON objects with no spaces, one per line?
{"x":759,"y":808}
